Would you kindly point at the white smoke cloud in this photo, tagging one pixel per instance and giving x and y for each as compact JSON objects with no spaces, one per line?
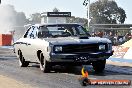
{"x":11,"y":20}
{"x":7,"y":18}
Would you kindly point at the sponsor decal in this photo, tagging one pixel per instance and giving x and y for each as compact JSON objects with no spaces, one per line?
{"x":119,"y":51}
{"x":85,"y":81}
{"x":59,"y":14}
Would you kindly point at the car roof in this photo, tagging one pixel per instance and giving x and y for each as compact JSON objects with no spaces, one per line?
{"x":38,"y":25}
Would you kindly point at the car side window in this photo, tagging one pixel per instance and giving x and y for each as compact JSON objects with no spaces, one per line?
{"x":43,"y":32}
{"x":30,"y":33}
{"x":27,"y":32}
{"x":33,"y":35}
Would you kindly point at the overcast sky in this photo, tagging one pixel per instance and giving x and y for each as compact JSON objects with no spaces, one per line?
{"x":74,"y":6}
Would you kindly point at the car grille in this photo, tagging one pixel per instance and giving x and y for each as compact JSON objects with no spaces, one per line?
{"x":82,"y":48}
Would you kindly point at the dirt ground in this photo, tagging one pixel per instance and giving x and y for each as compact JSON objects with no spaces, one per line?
{"x":6,"y":82}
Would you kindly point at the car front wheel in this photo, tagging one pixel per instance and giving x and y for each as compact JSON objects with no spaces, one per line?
{"x":22,"y":62}
{"x":99,"y":65}
{"x":44,"y":65}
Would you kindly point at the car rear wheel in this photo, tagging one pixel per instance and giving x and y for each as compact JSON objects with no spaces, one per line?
{"x":22,"y":62}
{"x":99,"y":66}
{"x":44,"y":65}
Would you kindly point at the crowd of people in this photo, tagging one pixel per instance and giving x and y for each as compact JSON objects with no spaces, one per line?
{"x":114,"y":37}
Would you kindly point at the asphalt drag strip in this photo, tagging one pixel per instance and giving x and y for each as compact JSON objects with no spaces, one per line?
{"x":58,"y":77}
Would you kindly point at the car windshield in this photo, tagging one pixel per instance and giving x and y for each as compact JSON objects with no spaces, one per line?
{"x":62,"y":31}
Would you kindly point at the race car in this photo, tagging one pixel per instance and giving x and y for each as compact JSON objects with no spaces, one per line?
{"x":66,"y":44}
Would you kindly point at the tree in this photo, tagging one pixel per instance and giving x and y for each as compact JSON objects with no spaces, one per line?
{"x":21,"y":19}
{"x":74,"y":19}
{"x":106,"y":11}
{"x":35,"y":18}
{"x":56,"y":10}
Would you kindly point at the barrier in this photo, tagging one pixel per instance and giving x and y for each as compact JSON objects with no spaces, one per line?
{"x":5,"y":39}
{"x":119,"y":51}
{"x":123,"y":51}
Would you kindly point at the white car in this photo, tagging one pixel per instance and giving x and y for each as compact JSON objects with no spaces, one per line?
{"x":62,"y":44}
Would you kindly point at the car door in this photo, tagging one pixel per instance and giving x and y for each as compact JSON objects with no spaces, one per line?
{"x":33,"y":45}
{"x":26,"y":44}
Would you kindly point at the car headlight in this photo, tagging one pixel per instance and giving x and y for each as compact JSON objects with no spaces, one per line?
{"x":101,"y":47}
{"x":58,"y":48}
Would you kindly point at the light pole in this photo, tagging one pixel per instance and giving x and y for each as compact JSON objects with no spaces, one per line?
{"x":87,"y":4}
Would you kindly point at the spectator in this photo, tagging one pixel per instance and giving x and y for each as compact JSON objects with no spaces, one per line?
{"x":120,"y":40}
{"x":100,"y":34}
{"x":93,"y":34}
{"x":127,"y":36}
{"x":115,"y":40}
{"x":111,"y":37}
{"x":105,"y":35}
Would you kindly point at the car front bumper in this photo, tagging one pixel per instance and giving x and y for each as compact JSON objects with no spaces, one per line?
{"x":81,"y":57}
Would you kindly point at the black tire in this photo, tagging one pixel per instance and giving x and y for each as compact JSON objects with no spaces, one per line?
{"x":99,"y":66}
{"x":70,"y":68}
{"x":22,"y":62}
{"x":44,"y":65}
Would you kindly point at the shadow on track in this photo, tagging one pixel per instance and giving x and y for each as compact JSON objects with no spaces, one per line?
{"x":76,"y":70}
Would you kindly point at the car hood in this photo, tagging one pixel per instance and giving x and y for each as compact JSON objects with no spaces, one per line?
{"x":76,"y":40}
